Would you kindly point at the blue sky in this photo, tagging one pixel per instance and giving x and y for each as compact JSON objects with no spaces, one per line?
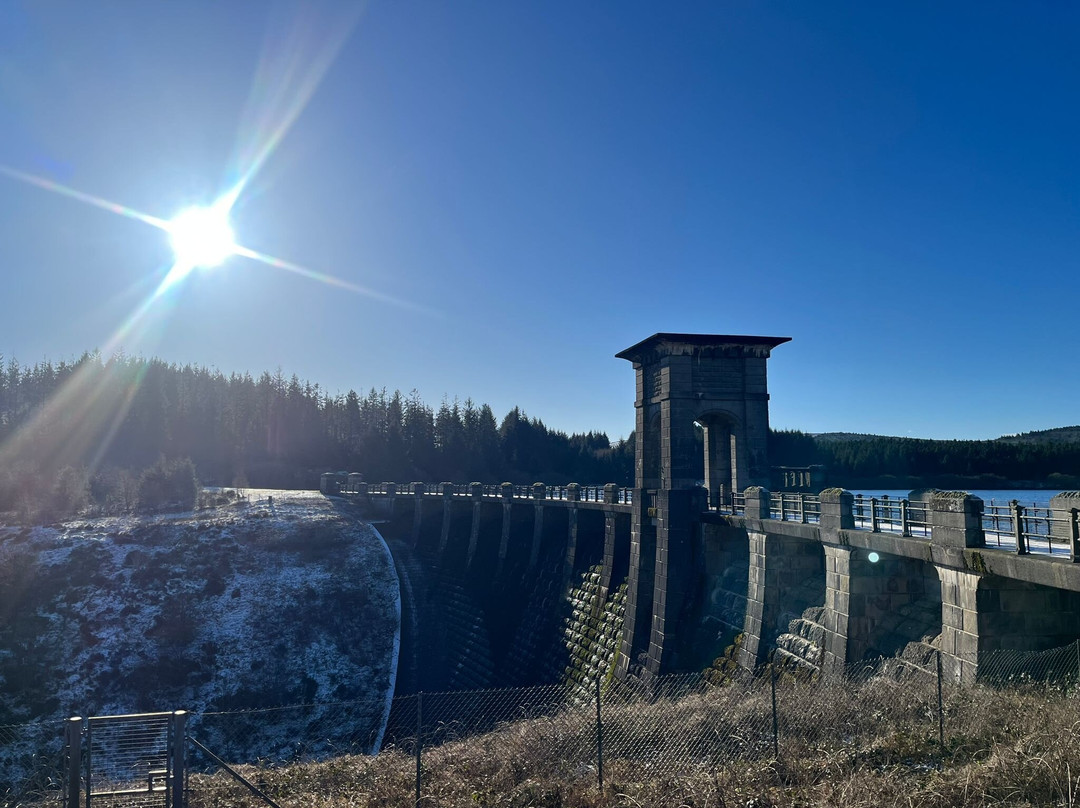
{"x":540,"y":185}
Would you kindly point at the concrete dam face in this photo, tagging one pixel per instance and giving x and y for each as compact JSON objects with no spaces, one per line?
{"x":519,"y":585}
{"x":505,"y":593}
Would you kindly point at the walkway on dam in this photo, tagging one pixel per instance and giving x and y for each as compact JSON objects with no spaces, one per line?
{"x":1008,"y":527}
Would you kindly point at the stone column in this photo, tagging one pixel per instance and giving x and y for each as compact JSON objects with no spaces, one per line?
{"x":639,"y":583}
{"x":959,"y":640}
{"x":444,"y":536}
{"x":573,"y":496}
{"x":476,"y":492}
{"x":956,"y":519}
{"x":778,"y":564}
{"x":837,"y":606}
{"x":506,"y":492}
{"x":836,"y":511}
{"x":674,"y":574}
{"x":757,"y":502}
{"x":418,"y":511}
{"x":539,"y":493}
{"x":717,"y":460}
{"x":1064,"y":527}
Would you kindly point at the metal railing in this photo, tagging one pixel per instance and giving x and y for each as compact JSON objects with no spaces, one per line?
{"x":788,"y":507}
{"x":887,"y":514}
{"x":1029,"y":529}
{"x":557,"y":493}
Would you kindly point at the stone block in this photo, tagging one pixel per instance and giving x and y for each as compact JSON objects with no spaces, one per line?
{"x":956,"y":519}
{"x":967,"y":646}
{"x":836,"y":509}
{"x":952,"y":616}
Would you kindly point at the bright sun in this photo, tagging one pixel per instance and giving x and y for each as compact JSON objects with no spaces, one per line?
{"x":201,"y":237}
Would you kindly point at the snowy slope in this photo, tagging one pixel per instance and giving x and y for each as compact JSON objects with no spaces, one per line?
{"x":236,"y":608}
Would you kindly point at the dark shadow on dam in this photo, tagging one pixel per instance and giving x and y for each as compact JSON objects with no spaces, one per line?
{"x":485,"y":588}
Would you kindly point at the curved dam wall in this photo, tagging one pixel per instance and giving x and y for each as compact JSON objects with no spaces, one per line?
{"x":522,"y":589}
{"x":505,"y":592}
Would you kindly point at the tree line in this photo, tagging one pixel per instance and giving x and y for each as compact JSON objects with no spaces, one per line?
{"x":105,"y":432}
{"x":891,"y":462}
{"x":107,"y":422}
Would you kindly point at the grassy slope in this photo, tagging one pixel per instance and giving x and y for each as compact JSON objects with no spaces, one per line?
{"x":857,"y":746}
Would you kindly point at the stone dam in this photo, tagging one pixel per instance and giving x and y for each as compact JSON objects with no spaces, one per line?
{"x":518,"y":585}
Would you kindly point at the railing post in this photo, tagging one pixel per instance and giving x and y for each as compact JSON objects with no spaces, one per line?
{"x":905,"y":528}
{"x":873,"y":514}
{"x":1074,"y":535}
{"x":802,"y":508}
{"x":1018,"y":526}
{"x":73,"y":742}
{"x":611,"y":494}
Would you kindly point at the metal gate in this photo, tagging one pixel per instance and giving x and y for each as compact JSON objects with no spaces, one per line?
{"x":126,"y":761}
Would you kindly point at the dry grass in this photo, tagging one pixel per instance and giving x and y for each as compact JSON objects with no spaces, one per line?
{"x":856,"y":746}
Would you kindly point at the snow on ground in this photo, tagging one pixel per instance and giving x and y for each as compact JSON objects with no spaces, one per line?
{"x":284,"y":598}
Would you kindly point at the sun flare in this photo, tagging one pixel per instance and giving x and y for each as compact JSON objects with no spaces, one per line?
{"x":201,"y":237}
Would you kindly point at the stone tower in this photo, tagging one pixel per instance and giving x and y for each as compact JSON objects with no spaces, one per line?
{"x":685,"y":382}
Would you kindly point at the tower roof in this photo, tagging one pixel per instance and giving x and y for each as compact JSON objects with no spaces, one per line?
{"x":673,"y":342}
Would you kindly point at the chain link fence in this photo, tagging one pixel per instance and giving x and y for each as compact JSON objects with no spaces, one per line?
{"x":433,"y":742}
{"x":32,"y":764}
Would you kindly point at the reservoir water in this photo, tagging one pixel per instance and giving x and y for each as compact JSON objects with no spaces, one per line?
{"x":1026,"y":497}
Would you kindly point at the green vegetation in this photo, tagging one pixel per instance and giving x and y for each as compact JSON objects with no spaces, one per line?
{"x":870,"y":461}
{"x":95,"y":433}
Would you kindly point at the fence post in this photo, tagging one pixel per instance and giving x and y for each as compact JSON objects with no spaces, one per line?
{"x":419,"y":740}
{"x":873,"y":514}
{"x":905,"y":528}
{"x":775,"y":720}
{"x":73,"y":740}
{"x":178,"y":753}
{"x":940,"y":705}
{"x":599,"y":741}
{"x":1074,"y":535}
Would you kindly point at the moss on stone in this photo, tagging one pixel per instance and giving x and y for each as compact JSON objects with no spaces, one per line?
{"x":978,"y":563}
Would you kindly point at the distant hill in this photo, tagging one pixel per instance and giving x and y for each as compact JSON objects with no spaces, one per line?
{"x":1061,"y":434}
{"x":843,"y":437}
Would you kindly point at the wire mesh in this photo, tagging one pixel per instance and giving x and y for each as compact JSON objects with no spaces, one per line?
{"x":554,"y":733}
{"x":127,"y":759}
{"x":1055,"y":667}
{"x":287,"y":734}
{"x":31,"y":765}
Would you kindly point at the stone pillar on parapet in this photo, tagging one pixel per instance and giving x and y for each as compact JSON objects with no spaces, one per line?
{"x":956,"y":519}
{"x":836,"y":511}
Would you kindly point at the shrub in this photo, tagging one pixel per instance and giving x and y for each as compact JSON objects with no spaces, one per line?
{"x":169,"y":483}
